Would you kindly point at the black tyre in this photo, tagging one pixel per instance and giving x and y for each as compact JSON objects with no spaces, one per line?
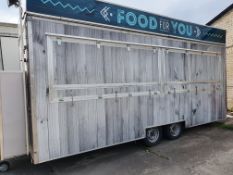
{"x":173,"y":131}
{"x":4,"y":166}
{"x":153,"y":136}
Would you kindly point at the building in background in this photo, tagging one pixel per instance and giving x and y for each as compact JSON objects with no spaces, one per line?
{"x":9,"y":47}
{"x":225,"y":21}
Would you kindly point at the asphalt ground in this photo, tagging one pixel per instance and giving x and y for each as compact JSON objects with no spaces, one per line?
{"x":203,"y":150}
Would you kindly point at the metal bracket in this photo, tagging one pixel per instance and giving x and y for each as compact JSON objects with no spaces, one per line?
{"x":150,"y":94}
{"x":116,"y":96}
{"x":59,"y":41}
{"x":72,"y":100}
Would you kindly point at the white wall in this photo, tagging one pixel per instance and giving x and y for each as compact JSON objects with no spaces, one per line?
{"x":10,"y":54}
{"x":9,"y":47}
{"x":12,"y":115}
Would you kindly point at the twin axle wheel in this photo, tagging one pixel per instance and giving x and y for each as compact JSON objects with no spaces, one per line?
{"x":171,"y":132}
{"x":153,"y":137}
{"x":4,"y":166}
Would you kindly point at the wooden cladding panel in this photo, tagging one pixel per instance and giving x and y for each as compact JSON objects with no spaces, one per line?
{"x":68,"y":128}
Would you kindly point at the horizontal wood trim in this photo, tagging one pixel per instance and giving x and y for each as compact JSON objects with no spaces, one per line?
{"x":128,"y":95}
{"x":121,"y":85}
{"x":128,"y":45}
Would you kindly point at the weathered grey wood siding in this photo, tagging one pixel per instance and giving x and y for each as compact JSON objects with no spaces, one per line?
{"x":68,"y":128}
{"x":1,"y":59}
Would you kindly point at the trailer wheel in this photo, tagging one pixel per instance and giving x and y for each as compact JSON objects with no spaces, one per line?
{"x":173,"y":131}
{"x":4,"y":166}
{"x":153,"y":136}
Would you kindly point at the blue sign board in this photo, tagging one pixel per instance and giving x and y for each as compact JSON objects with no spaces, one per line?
{"x":115,"y":15}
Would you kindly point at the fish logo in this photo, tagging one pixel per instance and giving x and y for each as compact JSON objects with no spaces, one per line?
{"x":105,"y":13}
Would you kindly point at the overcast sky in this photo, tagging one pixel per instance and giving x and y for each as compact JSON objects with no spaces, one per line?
{"x":198,"y":11}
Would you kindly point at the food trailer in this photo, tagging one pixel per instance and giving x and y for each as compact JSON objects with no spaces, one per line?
{"x":100,"y":74}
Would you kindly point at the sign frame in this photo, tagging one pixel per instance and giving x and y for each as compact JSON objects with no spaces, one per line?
{"x":103,"y":13}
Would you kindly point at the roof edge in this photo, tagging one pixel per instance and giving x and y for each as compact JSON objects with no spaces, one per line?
{"x":230,"y":7}
{"x":5,"y":24}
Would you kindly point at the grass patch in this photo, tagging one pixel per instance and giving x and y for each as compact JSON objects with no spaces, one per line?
{"x":157,"y":154}
{"x":225,"y":126}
